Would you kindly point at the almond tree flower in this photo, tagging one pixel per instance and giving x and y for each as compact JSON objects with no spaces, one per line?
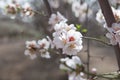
{"x":81,"y":11}
{"x":70,"y":42}
{"x":74,"y":76}
{"x":112,"y":38}
{"x":59,"y":40}
{"x":62,"y":27}
{"x":73,"y":43}
{"x":31,"y":49}
{"x":76,"y":8}
{"x":12,"y":10}
{"x":85,"y":13}
{"x":100,"y":17}
{"x":31,"y":44}
{"x":27,"y":10}
{"x":44,"y":54}
{"x":114,"y":33}
{"x":71,"y":63}
{"x":56,"y":18}
{"x":30,"y":53}
{"x":54,"y":3}
{"x":44,"y":46}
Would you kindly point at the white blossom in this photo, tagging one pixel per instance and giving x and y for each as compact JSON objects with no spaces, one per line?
{"x":81,"y":11}
{"x":44,"y":43}
{"x":114,"y":33}
{"x":100,"y":18}
{"x":31,"y":49}
{"x":71,"y":62}
{"x":74,"y":76}
{"x":32,"y":54}
{"x":67,"y":38}
{"x":45,"y":54}
{"x":31,"y":44}
{"x":55,"y":18}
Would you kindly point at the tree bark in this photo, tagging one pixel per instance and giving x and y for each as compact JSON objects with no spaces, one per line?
{"x":109,"y":17}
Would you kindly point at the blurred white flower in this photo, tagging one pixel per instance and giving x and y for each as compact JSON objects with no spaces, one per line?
{"x":71,"y":63}
{"x":31,"y":49}
{"x":30,"y":53}
{"x":45,"y":54}
{"x":81,"y":11}
{"x":94,"y":70}
{"x":76,"y":8}
{"x":56,"y":18}
{"x":62,"y":27}
{"x":74,"y":76}
{"x":27,"y":10}
{"x":44,"y":43}
{"x":31,"y":44}
{"x":114,"y":33}
{"x":100,"y":18}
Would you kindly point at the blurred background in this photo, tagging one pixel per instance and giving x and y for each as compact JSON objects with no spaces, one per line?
{"x":14,"y":65}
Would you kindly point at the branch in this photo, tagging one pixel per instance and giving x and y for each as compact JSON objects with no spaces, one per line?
{"x":109,"y":17}
{"x":48,"y":7}
{"x":95,"y":39}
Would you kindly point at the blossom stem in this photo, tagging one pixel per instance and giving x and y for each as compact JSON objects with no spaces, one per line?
{"x":95,"y":39}
{"x":105,"y":76}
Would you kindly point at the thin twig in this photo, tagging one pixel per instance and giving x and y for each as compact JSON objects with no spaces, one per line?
{"x":95,"y":39}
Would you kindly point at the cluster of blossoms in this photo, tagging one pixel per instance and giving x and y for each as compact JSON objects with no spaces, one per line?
{"x":114,"y":31}
{"x":75,"y":69}
{"x":66,"y":38}
{"x":81,"y":11}
{"x":13,"y":8}
{"x":73,"y":66}
{"x":33,"y":47}
{"x":100,"y":17}
{"x":114,"y":34}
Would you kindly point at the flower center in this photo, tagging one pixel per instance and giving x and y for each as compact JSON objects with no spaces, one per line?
{"x":71,"y":38}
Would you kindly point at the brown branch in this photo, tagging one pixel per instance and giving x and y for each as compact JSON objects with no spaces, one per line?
{"x":48,"y":7}
{"x":109,"y":17}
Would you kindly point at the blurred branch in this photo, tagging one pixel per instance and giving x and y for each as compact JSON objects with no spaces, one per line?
{"x":109,"y":17}
{"x":95,"y":39}
{"x":48,"y":7}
